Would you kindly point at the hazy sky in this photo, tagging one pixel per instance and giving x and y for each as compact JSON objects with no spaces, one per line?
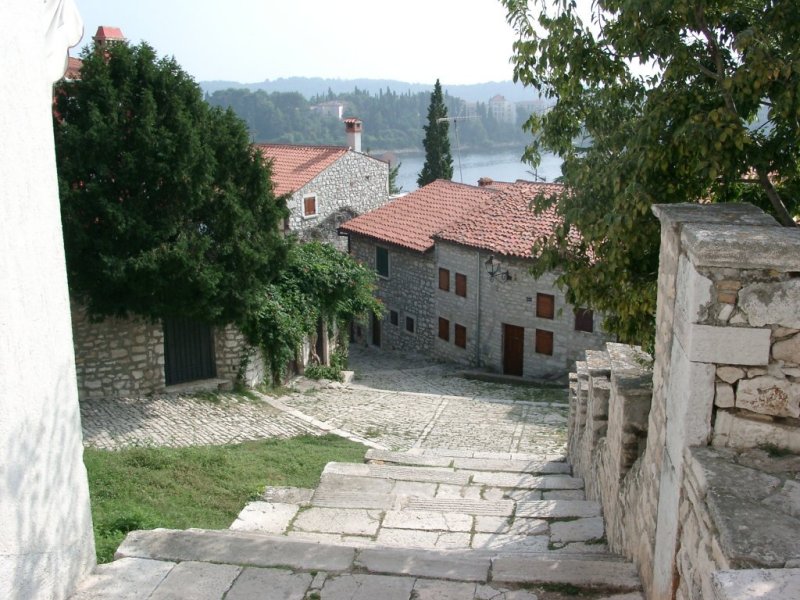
{"x":458,"y":41}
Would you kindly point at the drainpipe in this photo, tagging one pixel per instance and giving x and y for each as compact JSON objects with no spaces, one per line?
{"x":478,"y":309}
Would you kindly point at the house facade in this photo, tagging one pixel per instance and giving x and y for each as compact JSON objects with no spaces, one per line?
{"x":327,"y":185}
{"x":464,"y":292}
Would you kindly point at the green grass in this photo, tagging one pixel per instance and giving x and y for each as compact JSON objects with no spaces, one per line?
{"x":205,"y":486}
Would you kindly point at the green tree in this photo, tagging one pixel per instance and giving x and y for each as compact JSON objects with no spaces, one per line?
{"x":656,"y":103}
{"x":167,"y":209}
{"x":438,"y":160}
{"x":393,"y":173}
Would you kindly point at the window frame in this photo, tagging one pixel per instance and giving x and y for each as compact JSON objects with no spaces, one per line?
{"x":444,"y":275}
{"x":583,"y":316}
{"x":413,"y":321}
{"x":444,"y":327}
{"x":545,"y":314}
{"x":461,"y":285}
{"x":306,"y":214}
{"x":460,"y":335}
{"x":377,"y":262}
{"x":539,"y":342}
{"x":394,"y":318}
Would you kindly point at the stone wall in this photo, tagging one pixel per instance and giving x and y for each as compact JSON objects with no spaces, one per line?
{"x":408,"y":291}
{"x":725,"y":376}
{"x":236,"y":359}
{"x":490,"y":303}
{"x":353,"y":185}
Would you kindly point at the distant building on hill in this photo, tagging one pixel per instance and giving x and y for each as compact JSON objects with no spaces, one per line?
{"x":332,"y":108}
{"x":502,"y":110}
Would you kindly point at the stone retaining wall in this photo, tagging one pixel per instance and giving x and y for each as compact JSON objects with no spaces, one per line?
{"x":726,"y":376}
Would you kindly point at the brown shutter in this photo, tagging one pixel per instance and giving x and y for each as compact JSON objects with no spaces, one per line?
{"x":444,"y":329}
{"x":310,"y":206}
{"x":544,"y":342}
{"x":584,"y":320}
{"x":461,"y":336}
{"x":444,"y":279}
{"x":461,"y":285}
{"x":545,"y":306}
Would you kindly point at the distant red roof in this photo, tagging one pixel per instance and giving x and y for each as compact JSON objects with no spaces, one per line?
{"x":412,"y":220}
{"x":294,"y":166}
{"x":351,"y":120}
{"x":74,"y":66}
{"x":104,"y":32}
{"x":507,"y":225}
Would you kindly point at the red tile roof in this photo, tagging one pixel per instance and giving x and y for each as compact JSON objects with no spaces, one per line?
{"x":412,"y":220}
{"x":104,"y":32}
{"x":74,"y":66}
{"x":294,"y":166}
{"x":507,"y":225}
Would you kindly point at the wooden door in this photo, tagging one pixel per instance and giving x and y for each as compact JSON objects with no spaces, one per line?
{"x":376,"y":331}
{"x":513,"y":349}
{"x":188,"y":351}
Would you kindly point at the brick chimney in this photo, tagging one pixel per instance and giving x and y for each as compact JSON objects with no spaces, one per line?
{"x":107,"y":35}
{"x":352,"y":127}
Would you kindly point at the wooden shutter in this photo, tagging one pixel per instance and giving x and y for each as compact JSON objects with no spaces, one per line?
{"x":310,"y":206}
{"x":544,"y":342}
{"x":461,"y":336}
{"x":584,"y":320}
{"x":444,"y":329}
{"x":545,"y":306}
{"x":461,"y":285}
{"x":444,"y":279}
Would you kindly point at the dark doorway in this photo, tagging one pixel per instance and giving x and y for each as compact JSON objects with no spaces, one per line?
{"x":513,"y":349}
{"x":376,"y":331}
{"x":188,"y":351}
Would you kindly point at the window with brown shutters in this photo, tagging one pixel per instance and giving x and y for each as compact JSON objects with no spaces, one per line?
{"x":444,"y":279}
{"x":460,"y":335}
{"x":309,"y":206}
{"x":461,"y":285}
{"x":544,"y":342}
{"x":444,"y":329}
{"x":584,"y":320}
{"x":545,"y":306}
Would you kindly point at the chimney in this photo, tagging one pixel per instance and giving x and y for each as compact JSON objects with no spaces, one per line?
{"x":485,"y":182}
{"x":107,"y":35}
{"x":352,"y":127}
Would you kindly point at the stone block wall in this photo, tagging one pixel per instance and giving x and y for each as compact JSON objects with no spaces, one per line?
{"x":725,"y":377}
{"x":236,"y":359}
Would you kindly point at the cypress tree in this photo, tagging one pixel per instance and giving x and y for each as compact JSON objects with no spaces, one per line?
{"x":438,"y":160}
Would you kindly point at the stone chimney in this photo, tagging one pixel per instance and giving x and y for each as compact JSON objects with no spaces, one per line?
{"x":352,"y":127}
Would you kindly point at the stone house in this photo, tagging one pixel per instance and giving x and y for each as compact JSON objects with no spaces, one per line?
{"x":453,"y":263}
{"x":327,"y":185}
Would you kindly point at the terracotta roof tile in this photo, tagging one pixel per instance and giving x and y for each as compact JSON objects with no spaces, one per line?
{"x":104,"y":32}
{"x":412,"y":220}
{"x":74,"y":66}
{"x":294,"y":166}
{"x":507,"y":225}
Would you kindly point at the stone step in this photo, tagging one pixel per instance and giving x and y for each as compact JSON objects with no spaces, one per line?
{"x":177,"y":562}
{"x":532,"y":466}
{"x":398,"y":473}
{"x":456,"y":453}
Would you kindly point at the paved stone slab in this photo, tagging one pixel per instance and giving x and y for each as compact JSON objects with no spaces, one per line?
{"x":563,"y":495}
{"x":764,"y":584}
{"x":196,"y":580}
{"x":427,"y":520}
{"x":578,"y":548}
{"x":367,"y":587}
{"x":266,"y":517}
{"x":558,"y":509}
{"x":415,"y":488}
{"x":512,"y":466}
{"x":353,"y":521}
{"x":288,"y":495}
{"x":354,"y":500}
{"x":495,"y":493}
{"x":348,"y":483}
{"x":431,"y":474}
{"x":237,"y":548}
{"x":523,"y":569}
{"x":124,"y":579}
{"x":530,"y":482}
{"x":402,"y":458}
{"x":429,"y":589}
{"x":269,"y":584}
{"x":454,"y":566}
{"x":447,"y":452}
{"x":522,"y":526}
{"x":472,"y":492}
{"x":510,"y":543}
{"x":498,"y":508}
{"x":486,"y":592}
{"x":579,"y":530}
{"x":430,"y":540}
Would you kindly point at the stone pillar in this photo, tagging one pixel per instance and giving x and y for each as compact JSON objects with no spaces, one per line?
{"x":46,"y":542}
{"x":698,"y":243}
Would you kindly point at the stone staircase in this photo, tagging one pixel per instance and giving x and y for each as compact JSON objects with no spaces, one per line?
{"x":426,"y":524}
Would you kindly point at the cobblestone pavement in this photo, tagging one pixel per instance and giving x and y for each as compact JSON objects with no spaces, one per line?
{"x":403,"y":402}
{"x":396,"y":401}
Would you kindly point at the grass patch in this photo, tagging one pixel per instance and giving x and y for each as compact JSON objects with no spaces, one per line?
{"x":204,"y":486}
{"x":775,"y":451}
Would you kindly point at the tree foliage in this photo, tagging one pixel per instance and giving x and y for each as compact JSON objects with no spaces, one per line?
{"x":438,"y":160}
{"x":656,"y":102}
{"x":319,"y":282}
{"x":167,"y":209}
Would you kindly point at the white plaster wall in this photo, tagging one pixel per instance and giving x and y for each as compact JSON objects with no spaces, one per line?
{"x":46,"y":541}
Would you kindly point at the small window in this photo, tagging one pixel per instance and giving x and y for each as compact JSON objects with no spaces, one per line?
{"x":544,"y":342}
{"x":461,"y":285}
{"x":584,"y":320}
{"x":461,"y":336}
{"x":545,"y":306}
{"x":444,"y":280}
{"x":444,"y":329}
{"x":394,"y":319}
{"x":382,"y":261}
{"x":410,"y":324}
{"x":309,"y":206}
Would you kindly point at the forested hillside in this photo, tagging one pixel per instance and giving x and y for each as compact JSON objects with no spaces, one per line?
{"x":392,"y":121}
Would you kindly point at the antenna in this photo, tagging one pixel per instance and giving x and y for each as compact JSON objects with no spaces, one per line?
{"x":455,"y":121}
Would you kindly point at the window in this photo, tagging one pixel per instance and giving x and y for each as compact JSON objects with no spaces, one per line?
{"x":544,"y":342}
{"x":310,"y":206}
{"x":461,"y":336}
{"x":461,"y":285}
{"x":444,"y":329}
{"x":382,"y":261}
{"x":444,"y":280}
{"x":545,"y":306}
{"x":584,"y":320}
{"x":393,"y":317}
{"x":410,"y":324}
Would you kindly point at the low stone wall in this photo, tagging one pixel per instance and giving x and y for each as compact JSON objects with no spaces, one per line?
{"x":687,"y":458}
{"x":236,"y":359}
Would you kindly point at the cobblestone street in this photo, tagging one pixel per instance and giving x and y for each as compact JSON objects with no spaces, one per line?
{"x":397,"y":402}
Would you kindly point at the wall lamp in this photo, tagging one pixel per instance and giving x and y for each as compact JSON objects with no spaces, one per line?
{"x":495,"y":270}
